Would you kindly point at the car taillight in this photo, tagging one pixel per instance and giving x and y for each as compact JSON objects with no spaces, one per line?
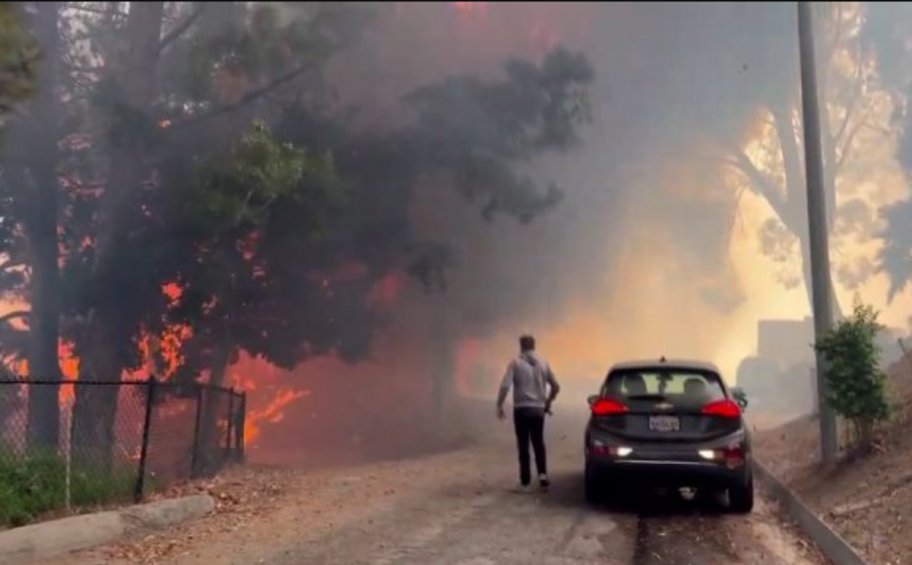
{"x":607,"y":407}
{"x":723,"y":409}
{"x":733,"y":455}
{"x":600,"y":449}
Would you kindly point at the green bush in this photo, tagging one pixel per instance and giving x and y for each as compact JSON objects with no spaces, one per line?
{"x":856,"y":382}
{"x":34,"y":483}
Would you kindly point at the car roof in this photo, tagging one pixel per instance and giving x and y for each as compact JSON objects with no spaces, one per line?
{"x":694,"y":364}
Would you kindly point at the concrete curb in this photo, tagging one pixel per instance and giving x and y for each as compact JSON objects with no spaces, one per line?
{"x":49,"y":539}
{"x":830,"y":543}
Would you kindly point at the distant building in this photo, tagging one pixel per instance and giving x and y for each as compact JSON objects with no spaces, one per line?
{"x":787,"y":341}
{"x":780,"y":380}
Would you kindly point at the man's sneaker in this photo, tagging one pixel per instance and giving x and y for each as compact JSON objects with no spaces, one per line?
{"x":543,"y":481}
{"x":522,"y":489}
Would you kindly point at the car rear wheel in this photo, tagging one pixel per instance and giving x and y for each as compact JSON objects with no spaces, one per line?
{"x":741,"y":497}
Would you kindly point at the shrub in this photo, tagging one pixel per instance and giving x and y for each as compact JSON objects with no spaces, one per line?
{"x":856,"y":383}
{"x":34,"y":483}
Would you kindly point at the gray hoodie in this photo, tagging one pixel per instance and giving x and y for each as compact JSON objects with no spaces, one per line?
{"x":529,"y":375}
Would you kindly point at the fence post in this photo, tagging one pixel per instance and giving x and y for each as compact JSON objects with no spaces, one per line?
{"x":144,"y":449}
{"x":230,"y":422}
{"x":239,"y":432}
{"x":194,"y":457}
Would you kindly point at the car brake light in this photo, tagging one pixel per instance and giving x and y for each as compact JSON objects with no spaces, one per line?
{"x":723,"y":409}
{"x":600,"y":449}
{"x":607,"y":407}
{"x":733,"y":455}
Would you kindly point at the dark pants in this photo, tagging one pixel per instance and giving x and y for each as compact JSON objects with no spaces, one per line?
{"x":530,"y":424}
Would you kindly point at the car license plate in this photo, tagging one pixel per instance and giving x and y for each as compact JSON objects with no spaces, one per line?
{"x":664,"y":424}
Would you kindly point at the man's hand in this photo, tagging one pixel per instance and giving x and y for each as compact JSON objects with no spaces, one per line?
{"x":548,"y":408}
{"x":501,"y":415}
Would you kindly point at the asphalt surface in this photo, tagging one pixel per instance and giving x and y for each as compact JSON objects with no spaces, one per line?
{"x":477,"y":517}
{"x":462,"y":508}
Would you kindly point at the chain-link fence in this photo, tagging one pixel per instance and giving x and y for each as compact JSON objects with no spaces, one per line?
{"x":86,"y":443}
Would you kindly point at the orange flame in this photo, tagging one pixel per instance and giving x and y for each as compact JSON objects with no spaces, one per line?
{"x":387,"y":290}
{"x":272,"y":413}
{"x":471,"y":8}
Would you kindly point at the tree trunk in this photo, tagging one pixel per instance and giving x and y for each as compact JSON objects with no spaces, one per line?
{"x":211,"y":441}
{"x":794,"y":214}
{"x":93,"y":433}
{"x":41,"y":228}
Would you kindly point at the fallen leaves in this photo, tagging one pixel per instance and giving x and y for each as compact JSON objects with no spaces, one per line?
{"x":867,"y":501}
{"x":242,"y":495}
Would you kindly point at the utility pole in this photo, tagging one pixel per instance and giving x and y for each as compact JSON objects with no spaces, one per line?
{"x":817,"y":220}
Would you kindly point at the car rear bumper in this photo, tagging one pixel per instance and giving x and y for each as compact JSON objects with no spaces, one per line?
{"x":667,"y":473}
{"x":669,"y":464}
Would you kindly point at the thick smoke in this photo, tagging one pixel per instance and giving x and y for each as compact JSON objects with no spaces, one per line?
{"x":651,"y":252}
{"x":667,"y":78}
{"x":636,"y":254}
{"x":655,"y":248}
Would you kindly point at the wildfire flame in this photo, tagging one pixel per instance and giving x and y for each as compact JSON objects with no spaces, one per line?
{"x":267,"y":401}
{"x":471,"y":8}
{"x":272,"y":413}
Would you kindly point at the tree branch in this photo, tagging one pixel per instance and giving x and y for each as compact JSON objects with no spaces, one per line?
{"x":181,"y":28}
{"x":850,"y":138}
{"x":101,"y":11}
{"x":13,"y":315}
{"x":251,"y":96}
{"x":853,"y":103}
{"x":10,"y":264}
{"x":761,"y":184}
{"x":837,"y":34}
{"x":788,"y":147}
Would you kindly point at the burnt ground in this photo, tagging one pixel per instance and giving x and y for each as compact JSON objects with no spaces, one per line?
{"x":455,"y":507}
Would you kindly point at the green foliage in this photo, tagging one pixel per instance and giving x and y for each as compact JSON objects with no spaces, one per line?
{"x":475,"y":129}
{"x":254,"y":223}
{"x":18,"y":55}
{"x":856,"y":383}
{"x":237,"y":47}
{"x":259,"y":171}
{"x":254,"y":211}
{"x":34,"y":483}
{"x":537,"y":107}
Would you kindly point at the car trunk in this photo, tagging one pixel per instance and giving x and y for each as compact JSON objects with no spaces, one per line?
{"x":663,"y":420}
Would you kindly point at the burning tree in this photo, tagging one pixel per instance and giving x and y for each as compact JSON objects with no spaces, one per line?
{"x":141,"y":172}
{"x":772,"y":165}
{"x":30,"y":208}
{"x":174,"y":93}
{"x":886,"y":35}
{"x":86,"y":154}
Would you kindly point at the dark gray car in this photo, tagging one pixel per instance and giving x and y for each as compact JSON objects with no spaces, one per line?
{"x":668,"y":423}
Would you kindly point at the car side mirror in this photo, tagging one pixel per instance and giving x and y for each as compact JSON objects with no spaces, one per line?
{"x":592,"y":399}
{"x":740,"y":396}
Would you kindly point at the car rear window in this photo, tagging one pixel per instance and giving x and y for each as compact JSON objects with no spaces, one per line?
{"x":680,"y":386}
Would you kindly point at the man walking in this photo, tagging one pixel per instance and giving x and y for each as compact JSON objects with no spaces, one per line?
{"x":534,"y":389}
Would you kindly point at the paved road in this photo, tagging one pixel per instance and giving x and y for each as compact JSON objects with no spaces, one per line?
{"x":460,"y":508}
{"x":475,"y":522}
